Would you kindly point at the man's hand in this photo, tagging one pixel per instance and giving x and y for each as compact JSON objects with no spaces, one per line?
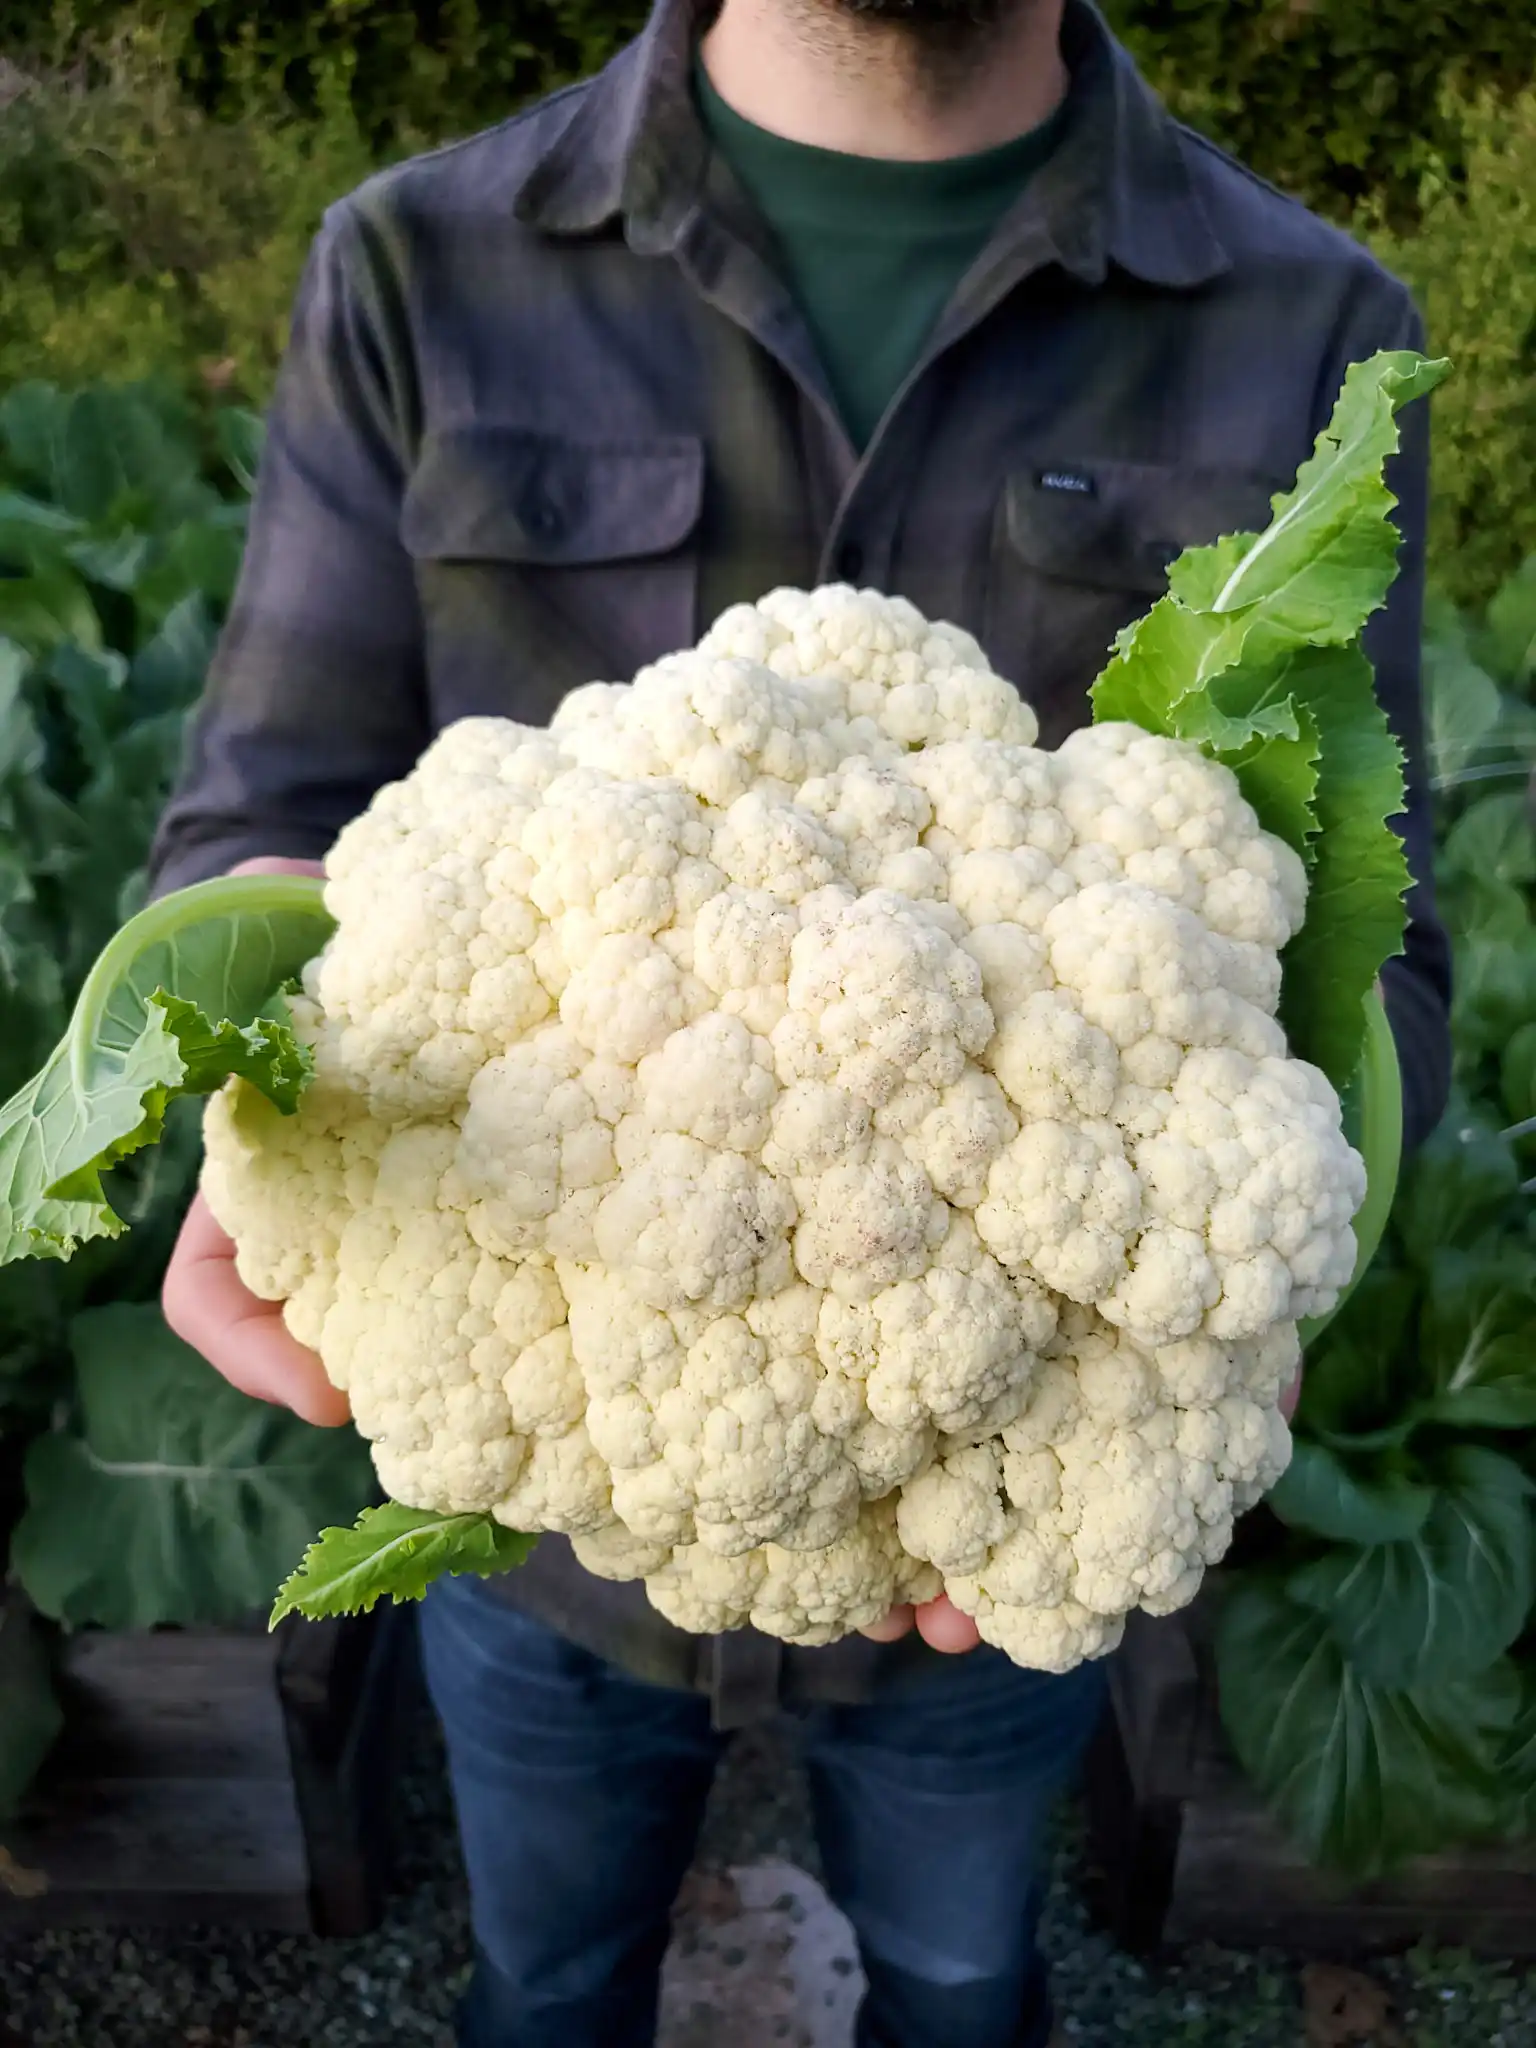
{"x":209,"y":1306}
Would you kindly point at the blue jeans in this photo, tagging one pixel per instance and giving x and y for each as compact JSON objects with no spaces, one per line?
{"x":580,"y":1791}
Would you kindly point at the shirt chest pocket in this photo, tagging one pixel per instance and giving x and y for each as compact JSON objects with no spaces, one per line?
{"x":1079,"y":550}
{"x":544,"y":562}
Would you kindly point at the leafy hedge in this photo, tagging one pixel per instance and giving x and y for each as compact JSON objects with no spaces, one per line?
{"x":1471,"y":262}
{"x":1338,"y":101}
{"x":140,"y":238}
{"x":438,"y":69}
{"x":1377,"y":1655}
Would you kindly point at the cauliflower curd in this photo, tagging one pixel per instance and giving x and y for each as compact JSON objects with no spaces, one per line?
{"x":784,"y":1130}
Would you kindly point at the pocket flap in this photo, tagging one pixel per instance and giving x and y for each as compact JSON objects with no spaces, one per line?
{"x":1119,"y":525}
{"x":488,"y":493}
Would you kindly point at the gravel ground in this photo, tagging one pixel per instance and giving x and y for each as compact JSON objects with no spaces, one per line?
{"x":395,"y":1988}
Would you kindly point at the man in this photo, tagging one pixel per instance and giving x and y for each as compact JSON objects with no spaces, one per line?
{"x":928,"y":295}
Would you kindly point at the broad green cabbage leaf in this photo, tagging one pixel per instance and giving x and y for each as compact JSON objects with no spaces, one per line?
{"x":170,"y":1496}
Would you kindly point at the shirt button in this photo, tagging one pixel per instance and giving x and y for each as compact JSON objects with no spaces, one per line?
{"x":542,"y":518}
{"x":850,"y":562}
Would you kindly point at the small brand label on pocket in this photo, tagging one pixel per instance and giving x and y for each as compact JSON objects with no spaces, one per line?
{"x":1077,"y":481}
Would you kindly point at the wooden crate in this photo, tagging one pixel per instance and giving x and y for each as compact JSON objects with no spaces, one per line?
{"x":1181,"y":1849}
{"x":215,"y":1777}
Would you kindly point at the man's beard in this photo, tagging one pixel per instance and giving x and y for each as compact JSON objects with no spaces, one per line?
{"x":951,"y":39}
{"x":958,"y":18}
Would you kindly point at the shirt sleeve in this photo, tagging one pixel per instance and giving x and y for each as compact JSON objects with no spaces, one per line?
{"x":316,"y":695}
{"x":1417,"y":984}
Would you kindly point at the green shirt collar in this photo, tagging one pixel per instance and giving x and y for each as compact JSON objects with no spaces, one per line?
{"x":821,"y":186}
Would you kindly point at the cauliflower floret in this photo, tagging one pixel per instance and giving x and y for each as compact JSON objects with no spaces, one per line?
{"x":785,"y":1131}
{"x":1100,"y":1495}
{"x":720,"y":728}
{"x":915,"y":682}
{"x":696,"y":1227}
{"x":284,"y":1186}
{"x":1013,"y":965}
{"x":762,"y":843}
{"x":606,"y":852}
{"x":412,"y":1338}
{"x":878,"y":997}
{"x":956,"y":1134}
{"x":613,"y":1552}
{"x":990,"y":798}
{"x":1052,"y":1063}
{"x":953,"y":1346}
{"x":530,"y":1137}
{"x":954,"y":1514}
{"x":805,"y":1597}
{"x":1062,"y":1204}
{"x":564,"y":1486}
{"x":1250,"y":1187}
{"x":628,"y":997}
{"x":712,"y":1080}
{"x":877,"y":811}
{"x":740,"y":942}
{"x":1139,"y":967}
{"x":863,"y":1227}
{"x":1167,"y":818}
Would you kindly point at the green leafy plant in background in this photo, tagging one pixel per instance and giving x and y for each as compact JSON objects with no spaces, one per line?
{"x":170,"y":1495}
{"x":135,"y":1487}
{"x":1377,"y":1657}
{"x":1469,"y":258}
{"x":139,"y":235}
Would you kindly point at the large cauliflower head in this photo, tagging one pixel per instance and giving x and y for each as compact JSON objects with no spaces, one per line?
{"x":786,"y":1131}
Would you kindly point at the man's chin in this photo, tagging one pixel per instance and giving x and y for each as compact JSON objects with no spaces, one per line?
{"x":930,"y":15}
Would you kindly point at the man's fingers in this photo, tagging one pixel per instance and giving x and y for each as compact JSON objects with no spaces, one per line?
{"x":209,"y":1307}
{"x":943,"y":1627}
{"x":253,"y":1349}
{"x":939,"y":1622}
{"x":200,"y":1237}
{"x":895,"y":1625}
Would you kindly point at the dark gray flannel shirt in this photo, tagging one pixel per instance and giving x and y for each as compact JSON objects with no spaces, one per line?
{"x":548,"y":407}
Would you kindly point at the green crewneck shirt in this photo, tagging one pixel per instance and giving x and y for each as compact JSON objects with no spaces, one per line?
{"x":872,"y":248}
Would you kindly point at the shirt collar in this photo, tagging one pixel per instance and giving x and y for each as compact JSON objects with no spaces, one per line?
{"x":1116,"y":190}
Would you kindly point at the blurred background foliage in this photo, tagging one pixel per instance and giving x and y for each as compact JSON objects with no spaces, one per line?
{"x":163,"y":164}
